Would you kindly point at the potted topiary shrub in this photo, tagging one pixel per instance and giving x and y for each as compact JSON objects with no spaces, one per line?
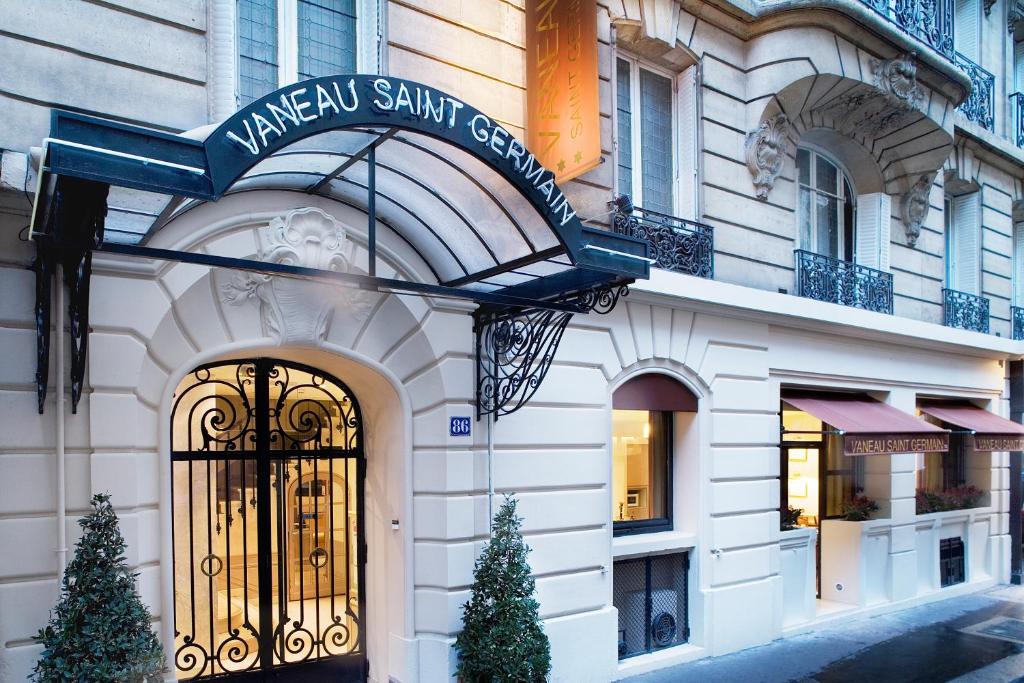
{"x":502,"y":640}
{"x":99,"y":630}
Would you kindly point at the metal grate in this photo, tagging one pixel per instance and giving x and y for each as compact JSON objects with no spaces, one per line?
{"x":650,"y":595}
{"x":965,"y":311}
{"x":951,"y":561}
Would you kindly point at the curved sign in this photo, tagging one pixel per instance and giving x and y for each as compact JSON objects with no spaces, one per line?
{"x":338,"y":102}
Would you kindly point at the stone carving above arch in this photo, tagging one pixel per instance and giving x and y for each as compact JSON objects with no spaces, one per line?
{"x":897,"y":78}
{"x":298,"y":311}
{"x":765,"y":151}
{"x":914,"y":206}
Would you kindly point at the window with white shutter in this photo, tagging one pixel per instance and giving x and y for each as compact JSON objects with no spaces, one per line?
{"x":1018,"y":264}
{"x":966,"y":29}
{"x":963,"y":243}
{"x":874,"y":213}
{"x":646,"y":135}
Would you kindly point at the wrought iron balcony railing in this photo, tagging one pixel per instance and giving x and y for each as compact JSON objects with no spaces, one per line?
{"x":676,"y":244}
{"x":964,"y":311}
{"x":1017,"y":321}
{"x":840,"y":282}
{"x":930,"y":21}
{"x":980,"y":106}
{"x":1017,"y":109}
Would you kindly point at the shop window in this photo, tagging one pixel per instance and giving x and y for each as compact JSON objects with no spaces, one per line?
{"x":826,"y":206}
{"x":283,"y":41}
{"x":939,"y":472}
{"x":650,"y":594}
{"x":643,"y":437}
{"x":951,"y":561}
{"x":963,"y":237}
{"x":646,"y":138}
{"x":818,"y":477}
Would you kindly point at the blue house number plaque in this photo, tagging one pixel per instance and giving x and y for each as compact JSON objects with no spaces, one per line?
{"x":459,"y":426}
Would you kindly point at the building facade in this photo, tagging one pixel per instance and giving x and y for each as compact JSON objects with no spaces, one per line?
{"x":832,"y":198}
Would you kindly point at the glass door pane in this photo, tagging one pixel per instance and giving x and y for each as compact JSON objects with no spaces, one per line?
{"x":315,"y":558}
{"x":215,"y":549}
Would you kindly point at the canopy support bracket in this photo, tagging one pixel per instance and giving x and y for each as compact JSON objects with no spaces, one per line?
{"x":515,"y":348}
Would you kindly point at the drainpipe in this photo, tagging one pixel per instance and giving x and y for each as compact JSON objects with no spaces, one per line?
{"x":1017,"y":415}
{"x":490,"y":471}
{"x":62,"y":550}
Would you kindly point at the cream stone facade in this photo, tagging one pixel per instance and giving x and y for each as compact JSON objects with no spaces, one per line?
{"x":752,"y":82}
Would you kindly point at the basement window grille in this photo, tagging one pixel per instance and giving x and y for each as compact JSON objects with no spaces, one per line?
{"x":951,"y":561}
{"x":650,"y":594}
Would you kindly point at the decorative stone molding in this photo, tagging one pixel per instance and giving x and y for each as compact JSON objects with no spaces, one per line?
{"x":915,"y":207}
{"x":988,"y":5}
{"x":766,"y":150}
{"x":897,"y":78}
{"x":298,"y":311}
{"x":1014,"y":13}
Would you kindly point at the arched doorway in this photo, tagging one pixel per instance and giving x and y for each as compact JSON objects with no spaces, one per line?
{"x":269,"y":550}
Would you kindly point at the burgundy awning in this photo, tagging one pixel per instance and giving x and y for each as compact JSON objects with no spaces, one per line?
{"x":654,"y":391}
{"x":990,"y":432}
{"x":870,"y":427}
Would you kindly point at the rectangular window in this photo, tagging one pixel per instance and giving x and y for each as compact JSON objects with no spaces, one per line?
{"x":641,"y":470}
{"x":963,"y":242}
{"x":951,"y":561}
{"x":650,"y":594}
{"x":327,"y":38}
{"x":966,"y":25}
{"x":257,"y":49}
{"x":646,"y":139}
{"x":1018,"y":264}
{"x":284,"y":41}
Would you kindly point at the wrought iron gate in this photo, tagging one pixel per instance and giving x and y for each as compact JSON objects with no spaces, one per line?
{"x":267,"y":486}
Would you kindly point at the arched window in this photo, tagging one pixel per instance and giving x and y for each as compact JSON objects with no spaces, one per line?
{"x":643,"y":426}
{"x":826,"y":206}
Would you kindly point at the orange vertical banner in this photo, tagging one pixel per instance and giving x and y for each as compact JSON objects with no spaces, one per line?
{"x":563,"y":116}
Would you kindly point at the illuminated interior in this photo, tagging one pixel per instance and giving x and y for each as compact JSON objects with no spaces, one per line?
{"x":313,"y":537}
{"x":639,"y":464}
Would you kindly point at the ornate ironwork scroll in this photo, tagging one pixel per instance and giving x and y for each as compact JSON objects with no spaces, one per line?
{"x":1017,"y":321}
{"x":43,"y":267}
{"x":676,"y":244}
{"x":515,"y":348}
{"x":965,"y":311}
{"x":267,"y":487}
{"x":980,"y":104}
{"x":840,"y":282}
{"x":930,"y":21}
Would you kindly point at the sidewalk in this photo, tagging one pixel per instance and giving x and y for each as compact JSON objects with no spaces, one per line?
{"x":971,"y":639}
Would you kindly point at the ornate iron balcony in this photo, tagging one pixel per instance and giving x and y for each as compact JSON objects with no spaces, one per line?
{"x":676,"y":244}
{"x":979,"y":107}
{"x":840,"y":282}
{"x":930,"y":21}
{"x":964,"y":311}
{"x":1017,"y":321}
{"x":1017,"y":108}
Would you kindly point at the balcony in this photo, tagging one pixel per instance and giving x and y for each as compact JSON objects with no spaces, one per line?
{"x":979,"y":107}
{"x":1017,"y":321}
{"x":930,"y":21}
{"x":964,"y":311}
{"x":824,"y":278}
{"x":1017,"y":110}
{"x":677,"y":244}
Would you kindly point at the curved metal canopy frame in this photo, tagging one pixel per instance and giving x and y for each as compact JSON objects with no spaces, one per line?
{"x":426,"y":169}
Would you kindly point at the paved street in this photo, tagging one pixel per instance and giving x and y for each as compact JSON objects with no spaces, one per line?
{"x":937,"y":642}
